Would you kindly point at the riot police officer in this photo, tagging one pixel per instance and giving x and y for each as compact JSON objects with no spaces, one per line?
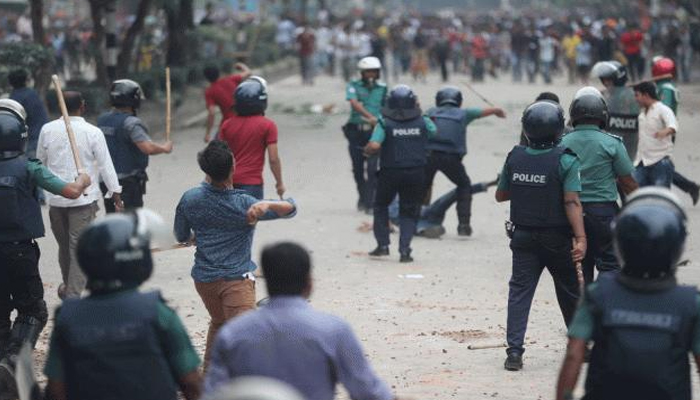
{"x":542,"y":183}
{"x":622,"y":106}
{"x":449,"y":146}
{"x":366,"y":96}
{"x":642,"y":324}
{"x":128,"y":142}
{"x":402,"y":135}
{"x":120,"y":342}
{"x":20,"y":224}
{"x":604,"y":165}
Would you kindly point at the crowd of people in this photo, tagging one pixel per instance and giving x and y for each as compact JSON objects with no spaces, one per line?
{"x":526,"y":46}
{"x":588,"y":192}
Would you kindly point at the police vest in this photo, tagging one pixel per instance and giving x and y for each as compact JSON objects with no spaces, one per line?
{"x":111,"y":349}
{"x":405,"y":143}
{"x":641,"y":339}
{"x":126,"y":156}
{"x":624,"y":111}
{"x":536,"y":189}
{"x":20,"y":218}
{"x":451,"y":133}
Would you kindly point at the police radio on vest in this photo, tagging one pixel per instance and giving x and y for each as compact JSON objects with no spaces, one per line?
{"x":529,"y":178}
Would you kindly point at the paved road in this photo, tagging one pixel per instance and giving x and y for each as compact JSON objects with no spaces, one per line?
{"x":414,"y":320}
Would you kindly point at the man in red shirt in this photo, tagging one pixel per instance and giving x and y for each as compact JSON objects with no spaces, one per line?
{"x":306,"y":46}
{"x":249,"y":134}
{"x":219,"y":93}
{"x":632,"y":41}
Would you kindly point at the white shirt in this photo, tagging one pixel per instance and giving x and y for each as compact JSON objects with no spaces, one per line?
{"x":651,"y":149}
{"x":53,"y":150}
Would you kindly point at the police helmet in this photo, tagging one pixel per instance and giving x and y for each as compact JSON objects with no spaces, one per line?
{"x":13,"y":129}
{"x":663,"y":66}
{"x":14,"y":107}
{"x":402,"y":97}
{"x":649,"y":236}
{"x":369,"y":63}
{"x":114,"y":252}
{"x":125,"y":93}
{"x":448,"y":95}
{"x":251,"y":97}
{"x":589,"y":105}
{"x":543,"y":123}
{"x":255,"y":388}
{"x":612,"y":70}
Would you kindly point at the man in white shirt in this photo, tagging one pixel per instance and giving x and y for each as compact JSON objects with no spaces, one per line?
{"x":69,"y":217}
{"x":657,"y":126}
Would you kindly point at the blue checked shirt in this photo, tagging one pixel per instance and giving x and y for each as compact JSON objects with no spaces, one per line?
{"x":217,"y":217}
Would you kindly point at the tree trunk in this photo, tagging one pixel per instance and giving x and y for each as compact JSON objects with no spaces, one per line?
{"x":127,"y":47}
{"x":98,"y":38}
{"x":37,"y":14}
{"x":42,"y":76}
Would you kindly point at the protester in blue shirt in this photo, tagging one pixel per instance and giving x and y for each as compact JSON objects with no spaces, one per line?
{"x":290,"y":341}
{"x":30,"y":100}
{"x":222,"y":221}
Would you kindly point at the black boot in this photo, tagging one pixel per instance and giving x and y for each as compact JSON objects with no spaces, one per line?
{"x":380,"y":251}
{"x":25,"y":330}
{"x":464,"y":230}
{"x":406,"y":256}
{"x":514,"y":362}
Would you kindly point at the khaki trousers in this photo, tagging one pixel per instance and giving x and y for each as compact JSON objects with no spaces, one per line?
{"x":67,"y":223}
{"x":224,"y":300}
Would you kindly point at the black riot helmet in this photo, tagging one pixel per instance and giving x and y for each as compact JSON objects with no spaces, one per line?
{"x":649,"y":236}
{"x":114,"y":252}
{"x":448,"y":95}
{"x":125,"y":93}
{"x":589,"y":106}
{"x":13,"y":129}
{"x":612,"y":70}
{"x":402,"y":104}
{"x":250,"y":97}
{"x":543,"y":124}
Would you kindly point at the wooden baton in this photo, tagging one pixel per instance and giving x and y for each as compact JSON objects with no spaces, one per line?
{"x":66,"y":120}
{"x":167,"y":103}
{"x":486,"y":346}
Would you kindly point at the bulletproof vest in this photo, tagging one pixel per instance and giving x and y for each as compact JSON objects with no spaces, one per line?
{"x":20,"y":218}
{"x":641,"y":340}
{"x":126,"y":156}
{"x":623,"y":109}
{"x":405,"y":143}
{"x":451,"y":133}
{"x":536,"y":193}
{"x":111,"y":348}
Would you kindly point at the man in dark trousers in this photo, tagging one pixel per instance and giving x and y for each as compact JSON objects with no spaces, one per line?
{"x":366,"y":96}
{"x":449,"y":146}
{"x":119,"y":342}
{"x":20,"y":225}
{"x":128,"y":142}
{"x":641,"y":322}
{"x":605,"y":165}
{"x":402,"y":136}
{"x":542,"y":183}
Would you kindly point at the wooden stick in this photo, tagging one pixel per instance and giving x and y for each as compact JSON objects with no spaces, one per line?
{"x":654,"y":79}
{"x":167,"y":103}
{"x":173,"y":247}
{"x":486,"y":346}
{"x":484,"y":99}
{"x":66,"y":120}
